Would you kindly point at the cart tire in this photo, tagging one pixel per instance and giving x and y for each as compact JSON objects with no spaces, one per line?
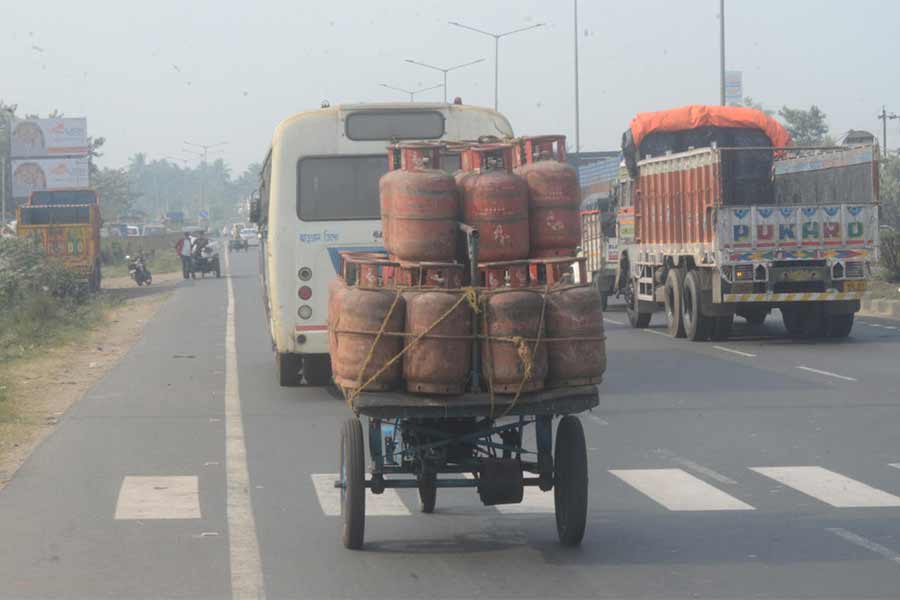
{"x":353,"y":476}
{"x":570,"y":492}
{"x":427,"y":495}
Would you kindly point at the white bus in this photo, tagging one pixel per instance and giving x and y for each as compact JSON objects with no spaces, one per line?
{"x":319,"y":196}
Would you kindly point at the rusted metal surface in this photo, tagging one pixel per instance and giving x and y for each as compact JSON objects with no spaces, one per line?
{"x":495,"y":201}
{"x":514,"y":314}
{"x":574,"y":312}
{"x":554,"y":195}
{"x":437,"y":366}
{"x":367,"y":310}
{"x":419,"y":205}
{"x":337,"y":289}
{"x":534,"y":272}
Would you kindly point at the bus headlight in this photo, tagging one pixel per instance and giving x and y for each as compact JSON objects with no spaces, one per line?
{"x":304,"y":312}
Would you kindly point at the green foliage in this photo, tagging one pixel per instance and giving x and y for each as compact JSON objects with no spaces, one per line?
{"x":889,"y":191}
{"x":751,"y":103}
{"x":890,"y":254}
{"x":807,"y":127}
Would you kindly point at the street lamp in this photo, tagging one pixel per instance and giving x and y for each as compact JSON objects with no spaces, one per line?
{"x":205,"y":152}
{"x":722,"y":52}
{"x":444,"y":71}
{"x":412,"y":93}
{"x":496,"y":37}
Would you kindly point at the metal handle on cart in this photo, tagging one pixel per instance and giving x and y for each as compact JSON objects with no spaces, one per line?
{"x":472,"y":252}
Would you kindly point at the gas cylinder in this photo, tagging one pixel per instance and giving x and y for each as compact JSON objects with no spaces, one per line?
{"x":336,"y":291}
{"x":437,"y":366}
{"x":554,"y":195}
{"x":574,"y":312}
{"x":419,"y":205}
{"x":362,"y":312}
{"x":495,"y":201}
{"x":513,"y":313}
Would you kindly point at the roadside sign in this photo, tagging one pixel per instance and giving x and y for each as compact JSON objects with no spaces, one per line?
{"x":734,"y":87}
{"x":203,"y":214}
{"x":49,"y":137}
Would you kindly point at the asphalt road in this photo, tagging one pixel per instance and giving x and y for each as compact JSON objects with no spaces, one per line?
{"x":757,"y":467}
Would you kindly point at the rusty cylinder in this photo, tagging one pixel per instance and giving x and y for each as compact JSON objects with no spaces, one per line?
{"x":435,"y":365}
{"x":574,"y":312}
{"x":554,"y":196}
{"x":419,"y":205}
{"x":337,"y":289}
{"x":510,"y":314}
{"x":495,"y":201}
{"x":362,"y":313}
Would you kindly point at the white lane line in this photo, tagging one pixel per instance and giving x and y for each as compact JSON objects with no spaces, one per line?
{"x":387,"y":504}
{"x":678,"y":490}
{"x":697,"y":468}
{"x":598,"y":420}
{"x":243,"y":544}
{"x":656,"y":332}
{"x":738,"y":352}
{"x":158,"y":498}
{"x":829,"y":487}
{"x":826,"y":373}
{"x":874,"y":325}
{"x":866,"y":543}
{"x":607,"y":319}
{"x":889,"y":327}
{"x":895,"y":465}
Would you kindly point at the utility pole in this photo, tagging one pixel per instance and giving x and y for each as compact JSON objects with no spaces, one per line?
{"x":577,"y":113}
{"x":884,"y":116}
{"x":496,"y":37}
{"x":444,"y":71}
{"x":722,"y":52}
{"x":5,"y":163}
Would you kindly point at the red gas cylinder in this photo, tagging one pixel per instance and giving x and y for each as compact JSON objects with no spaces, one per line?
{"x":419,"y":205}
{"x":574,"y":312}
{"x":337,"y":289}
{"x":513,"y":313}
{"x":495,"y":201}
{"x":437,"y":366}
{"x":364,"y":311}
{"x":554,"y":195}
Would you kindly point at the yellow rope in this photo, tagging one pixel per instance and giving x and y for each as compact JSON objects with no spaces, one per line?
{"x":527,"y":356}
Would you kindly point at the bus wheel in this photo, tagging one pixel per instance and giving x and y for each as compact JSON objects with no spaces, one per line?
{"x":317,"y":369}
{"x":288,"y":369}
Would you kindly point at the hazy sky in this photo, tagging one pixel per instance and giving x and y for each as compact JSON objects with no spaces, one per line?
{"x":149,"y":75}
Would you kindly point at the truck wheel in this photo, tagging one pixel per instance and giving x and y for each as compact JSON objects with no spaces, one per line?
{"x":637,"y":319}
{"x":721,"y":327}
{"x":838,"y":326}
{"x":353,"y":488}
{"x":317,"y":369}
{"x":287,"y":366}
{"x":673,"y":290}
{"x":570,"y":489}
{"x":805,"y":320}
{"x":697,"y":327}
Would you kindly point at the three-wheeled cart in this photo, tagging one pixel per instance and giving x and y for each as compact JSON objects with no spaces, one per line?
{"x":474,"y":434}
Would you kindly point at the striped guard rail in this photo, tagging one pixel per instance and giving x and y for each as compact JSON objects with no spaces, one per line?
{"x":795,"y":297}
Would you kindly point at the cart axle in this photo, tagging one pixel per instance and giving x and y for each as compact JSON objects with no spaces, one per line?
{"x":438,"y":483}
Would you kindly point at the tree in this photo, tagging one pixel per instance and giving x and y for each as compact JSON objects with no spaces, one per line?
{"x":116,"y":197}
{"x":751,"y":103}
{"x":807,"y":127}
{"x":889,"y":191}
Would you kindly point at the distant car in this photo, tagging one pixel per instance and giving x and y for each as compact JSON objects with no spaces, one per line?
{"x":133,"y":231}
{"x":249,"y":234}
{"x":154,"y":230}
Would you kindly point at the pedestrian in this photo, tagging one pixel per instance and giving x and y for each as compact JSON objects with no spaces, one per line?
{"x":183,"y":248}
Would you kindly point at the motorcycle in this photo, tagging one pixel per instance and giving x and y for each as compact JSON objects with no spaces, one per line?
{"x":206,"y":259}
{"x":137,"y":270}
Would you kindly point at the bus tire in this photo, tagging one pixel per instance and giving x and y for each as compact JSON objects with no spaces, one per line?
{"x":674,"y":288}
{"x":317,"y":369}
{"x":287,"y":368}
{"x":697,"y":327}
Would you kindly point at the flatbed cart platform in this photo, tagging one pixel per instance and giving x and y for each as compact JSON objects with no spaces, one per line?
{"x":423,"y":436}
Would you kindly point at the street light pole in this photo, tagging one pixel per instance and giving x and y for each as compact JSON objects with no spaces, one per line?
{"x":496,"y":37}
{"x":722,"y":52}
{"x":412,"y":93}
{"x":577,"y":113}
{"x":444,"y":71}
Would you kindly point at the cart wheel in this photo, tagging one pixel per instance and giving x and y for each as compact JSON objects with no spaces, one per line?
{"x":571,"y":486}
{"x":353,"y":492}
{"x":427,"y":494}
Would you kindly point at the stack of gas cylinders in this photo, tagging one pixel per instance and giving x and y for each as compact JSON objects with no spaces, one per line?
{"x":428,"y":317}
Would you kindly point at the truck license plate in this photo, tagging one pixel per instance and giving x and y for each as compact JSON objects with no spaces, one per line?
{"x":799,"y":275}
{"x":854,"y":286}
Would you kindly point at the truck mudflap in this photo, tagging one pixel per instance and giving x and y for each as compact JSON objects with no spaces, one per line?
{"x":792,"y":297}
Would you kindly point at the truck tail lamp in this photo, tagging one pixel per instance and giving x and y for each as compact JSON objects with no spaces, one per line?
{"x":743,"y":273}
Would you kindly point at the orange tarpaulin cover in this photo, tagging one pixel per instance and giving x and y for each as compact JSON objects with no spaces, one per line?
{"x":699,"y":115}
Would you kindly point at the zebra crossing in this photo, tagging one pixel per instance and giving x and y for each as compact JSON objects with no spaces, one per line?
{"x":674,"y":489}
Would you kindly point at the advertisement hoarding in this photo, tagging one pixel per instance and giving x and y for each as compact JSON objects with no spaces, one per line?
{"x":49,"y":137}
{"x":734,"y":88}
{"x":33,"y":174}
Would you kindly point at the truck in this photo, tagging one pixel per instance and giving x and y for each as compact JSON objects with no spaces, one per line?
{"x":599,"y":245}
{"x":720,"y":216}
{"x":66,"y":225}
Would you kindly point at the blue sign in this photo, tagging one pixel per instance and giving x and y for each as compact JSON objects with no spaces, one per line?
{"x":204,"y":214}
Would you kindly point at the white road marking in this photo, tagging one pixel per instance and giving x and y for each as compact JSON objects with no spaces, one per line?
{"x":158,"y":498}
{"x":874,"y":325}
{"x":738,"y":352}
{"x":697,"y":468}
{"x":889,"y":327}
{"x":678,"y":490}
{"x":826,"y":373}
{"x":243,"y":544}
{"x":895,"y":465}
{"x":829,"y":487}
{"x":598,"y":420}
{"x":657,"y":332}
{"x":865,"y":543}
{"x":613,"y":321}
{"x":387,"y":504}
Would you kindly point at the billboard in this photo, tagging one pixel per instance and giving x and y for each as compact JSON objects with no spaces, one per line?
{"x":595,"y":179}
{"x":33,"y":174}
{"x":49,"y":137}
{"x":734,"y":88}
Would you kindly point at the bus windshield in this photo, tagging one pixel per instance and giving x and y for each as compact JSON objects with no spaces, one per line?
{"x":339,"y":188}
